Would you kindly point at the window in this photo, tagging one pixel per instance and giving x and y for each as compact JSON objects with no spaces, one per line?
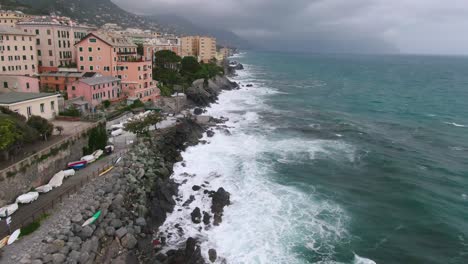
{"x":50,"y":53}
{"x":73,"y":88}
{"x":49,"y":41}
{"x":27,"y":85}
{"x":81,"y":68}
{"x":5,"y":84}
{"x":92,"y":40}
{"x":37,"y":31}
{"x":90,"y":58}
{"x":39,"y":53}
{"x":90,"y":49}
{"x":52,"y":105}
{"x":48,"y":32}
{"x":42,"y":108}
{"x":91,"y":68}
{"x":81,"y":58}
{"x":29,"y":111}
{"x":38,"y":42}
{"x":81,"y":49}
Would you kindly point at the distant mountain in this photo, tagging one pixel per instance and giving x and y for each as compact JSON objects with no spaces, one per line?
{"x":100,"y":12}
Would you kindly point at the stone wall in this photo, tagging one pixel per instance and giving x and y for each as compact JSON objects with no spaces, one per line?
{"x":39,"y":168}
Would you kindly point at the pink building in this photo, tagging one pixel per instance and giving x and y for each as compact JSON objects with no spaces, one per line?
{"x":17,"y":52}
{"x":137,"y":80}
{"x":19,"y":83}
{"x":116,"y":56}
{"x":95,"y":90}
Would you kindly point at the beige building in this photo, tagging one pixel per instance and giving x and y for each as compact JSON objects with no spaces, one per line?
{"x":17,"y":52}
{"x":10,"y":18}
{"x":28,"y":104}
{"x":55,"y":40}
{"x":203,"y":48}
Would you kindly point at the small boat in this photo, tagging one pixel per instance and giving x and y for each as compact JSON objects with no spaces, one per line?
{"x":13,"y":237}
{"x":76,"y":165}
{"x":89,"y":158}
{"x":92,"y":219}
{"x":4,"y":241}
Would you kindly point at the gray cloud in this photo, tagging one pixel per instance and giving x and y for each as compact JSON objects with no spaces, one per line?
{"x":410,"y":26}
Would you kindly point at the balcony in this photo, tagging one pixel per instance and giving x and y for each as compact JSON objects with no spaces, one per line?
{"x":126,"y":52}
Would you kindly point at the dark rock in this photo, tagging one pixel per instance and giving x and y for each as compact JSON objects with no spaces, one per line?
{"x":220,"y":199}
{"x":198,"y":111}
{"x":196,"y":215}
{"x":212,"y":255}
{"x":86,"y":232}
{"x":116,"y":223}
{"x":196,"y":187}
{"x":189,"y":201}
{"x":249,"y":85}
{"x":206,"y":218}
{"x":210,"y":133}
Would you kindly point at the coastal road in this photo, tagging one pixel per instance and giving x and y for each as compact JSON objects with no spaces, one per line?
{"x":25,"y":213}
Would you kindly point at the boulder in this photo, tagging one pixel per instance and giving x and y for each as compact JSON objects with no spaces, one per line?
{"x":220,"y":199}
{"x":198,"y":111}
{"x":140,"y":221}
{"x":86,"y":232}
{"x":58,"y":258}
{"x":212,"y":255}
{"x":196,"y":187}
{"x":129,"y":241}
{"x":121,"y":232}
{"x":210,"y":133}
{"x":196,"y":216}
{"x":206,"y":218}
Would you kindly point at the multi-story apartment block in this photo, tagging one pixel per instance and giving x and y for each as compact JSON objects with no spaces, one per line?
{"x":10,"y":18}
{"x":206,"y":49}
{"x":203,"y":48}
{"x":18,"y":83}
{"x":17,"y":52}
{"x":55,"y":39}
{"x":154,"y":45}
{"x":116,"y":56}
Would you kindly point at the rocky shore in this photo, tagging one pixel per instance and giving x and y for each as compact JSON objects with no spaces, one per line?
{"x":134,"y":200}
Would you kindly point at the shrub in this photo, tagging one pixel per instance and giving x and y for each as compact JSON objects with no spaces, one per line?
{"x":42,"y":125}
{"x":71,"y":111}
{"x":106,"y":103}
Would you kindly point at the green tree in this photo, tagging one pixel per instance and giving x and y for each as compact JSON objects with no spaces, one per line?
{"x":189,"y":66}
{"x":9,"y":135}
{"x":97,"y":139}
{"x":166,"y":59}
{"x":106,"y":103}
{"x":141,"y":127}
{"x":42,"y":125}
{"x":140,"y":50}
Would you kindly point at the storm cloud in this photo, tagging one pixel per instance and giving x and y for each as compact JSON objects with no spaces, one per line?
{"x":408,"y":26}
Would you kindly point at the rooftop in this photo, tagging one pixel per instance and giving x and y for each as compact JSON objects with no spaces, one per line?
{"x":16,"y":97}
{"x":4,"y":30}
{"x":69,"y":74}
{"x":100,"y":80}
{"x":113,"y":40}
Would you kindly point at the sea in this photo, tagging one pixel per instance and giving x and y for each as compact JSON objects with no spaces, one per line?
{"x":335,"y":159}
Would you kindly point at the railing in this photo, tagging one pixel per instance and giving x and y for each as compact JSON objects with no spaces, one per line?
{"x":39,"y":212}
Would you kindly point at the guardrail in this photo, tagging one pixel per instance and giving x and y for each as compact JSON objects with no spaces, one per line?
{"x":66,"y":192}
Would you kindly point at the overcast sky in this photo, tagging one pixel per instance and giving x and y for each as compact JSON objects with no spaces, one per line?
{"x":408,"y":26}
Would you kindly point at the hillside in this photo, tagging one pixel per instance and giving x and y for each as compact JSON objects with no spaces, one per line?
{"x":99,"y":12}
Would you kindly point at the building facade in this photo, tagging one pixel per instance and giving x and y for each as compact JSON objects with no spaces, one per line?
{"x":202,"y":48}
{"x":19,"y":83}
{"x":112,"y":55}
{"x":155,"y":45}
{"x":28,"y":104}
{"x":17,"y":52}
{"x":97,"y":89}
{"x":58,"y":80}
{"x":55,"y":40}
{"x":11,"y":18}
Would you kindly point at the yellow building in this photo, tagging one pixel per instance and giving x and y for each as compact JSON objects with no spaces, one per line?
{"x":203,"y":48}
{"x":28,"y":104}
{"x":10,"y":18}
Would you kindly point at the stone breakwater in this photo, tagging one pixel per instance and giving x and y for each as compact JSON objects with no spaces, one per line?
{"x":134,"y":200}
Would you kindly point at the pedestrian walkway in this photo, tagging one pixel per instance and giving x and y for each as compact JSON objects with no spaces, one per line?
{"x":29,"y":212}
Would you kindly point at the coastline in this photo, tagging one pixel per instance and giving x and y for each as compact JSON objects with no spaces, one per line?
{"x":134,"y":200}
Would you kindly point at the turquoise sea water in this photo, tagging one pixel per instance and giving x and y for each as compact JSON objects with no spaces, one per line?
{"x":338,"y":159}
{"x":406,"y":120}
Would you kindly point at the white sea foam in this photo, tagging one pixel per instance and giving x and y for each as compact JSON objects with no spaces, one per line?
{"x":361,"y":260}
{"x":267,"y":222}
{"x":455,"y":124}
